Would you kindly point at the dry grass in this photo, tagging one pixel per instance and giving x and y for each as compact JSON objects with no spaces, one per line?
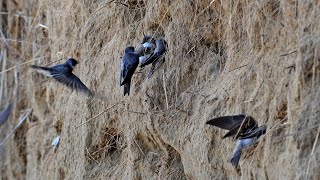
{"x":224,"y":57}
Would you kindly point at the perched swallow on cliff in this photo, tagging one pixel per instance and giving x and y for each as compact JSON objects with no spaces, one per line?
{"x":146,"y":47}
{"x":129,"y":63}
{"x":156,"y":56}
{"x":4,"y":114}
{"x":161,"y":48}
{"x":244,"y":128}
{"x":63,"y":74}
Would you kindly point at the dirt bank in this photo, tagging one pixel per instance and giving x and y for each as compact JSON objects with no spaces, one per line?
{"x":261,"y":58}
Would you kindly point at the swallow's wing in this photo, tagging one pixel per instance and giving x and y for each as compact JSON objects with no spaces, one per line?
{"x":4,"y":115}
{"x":158,"y":53}
{"x":130,"y":63}
{"x":237,"y":125}
{"x":155,"y":65}
{"x":255,"y":133}
{"x":227,"y":122}
{"x":43,"y":70}
{"x":72,"y":81}
{"x":121,"y":71}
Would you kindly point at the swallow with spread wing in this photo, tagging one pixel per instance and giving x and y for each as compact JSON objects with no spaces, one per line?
{"x":63,"y":74}
{"x":244,"y":128}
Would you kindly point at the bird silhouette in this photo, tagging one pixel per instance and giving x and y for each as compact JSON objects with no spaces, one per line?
{"x":63,"y":74}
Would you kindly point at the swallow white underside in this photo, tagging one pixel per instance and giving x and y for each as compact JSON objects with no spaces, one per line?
{"x":142,"y":59}
{"x":148,"y":45}
{"x":55,"y":142}
{"x":244,"y":143}
{"x":241,"y":144}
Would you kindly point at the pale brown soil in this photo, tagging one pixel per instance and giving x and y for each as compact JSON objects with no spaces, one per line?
{"x":260,"y":58}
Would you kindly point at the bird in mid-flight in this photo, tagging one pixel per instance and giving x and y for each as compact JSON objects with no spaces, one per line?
{"x":244,"y":128}
{"x":129,"y":63}
{"x":63,"y":74}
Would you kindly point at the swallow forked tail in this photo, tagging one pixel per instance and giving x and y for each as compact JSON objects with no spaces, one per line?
{"x":126,"y":88}
{"x":234,"y":159}
{"x":43,"y":70}
{"x":4,"y":115}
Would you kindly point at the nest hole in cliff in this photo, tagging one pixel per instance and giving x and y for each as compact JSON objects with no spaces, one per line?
{"x":58,"y":126}
{"x":136,"y":4}
{"x":149,"y":152}
{"x":110,"y":145}
{"x":146,"y":144}
{"x":33,"y":118}
{"x":174,"y":165}
{"x":136,"y":9}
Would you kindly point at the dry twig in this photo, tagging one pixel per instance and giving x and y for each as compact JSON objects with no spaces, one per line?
{"x":98,"y":114}
{"x":312,"y":151}
{"x":165,"y":90}
{"x":21,"y":120}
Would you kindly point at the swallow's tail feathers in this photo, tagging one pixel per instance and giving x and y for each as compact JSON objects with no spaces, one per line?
{"x":2,"y":149}
{"x":126,"y":88}
{"x":234,"y":159}
{"x":155,"y":65}
{"x":151,"y":71}
{"x":90,"y":93}
{"x":44,"y":70}
{"x":40,"y":67}
{"x":4,"y":115}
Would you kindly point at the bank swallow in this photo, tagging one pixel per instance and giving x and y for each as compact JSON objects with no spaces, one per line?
{"x":63,"y":74}
{"x":156,"y":57}
{"x":146,"y":47}
{"x":243,"y":128}
{"x":129,"y":63}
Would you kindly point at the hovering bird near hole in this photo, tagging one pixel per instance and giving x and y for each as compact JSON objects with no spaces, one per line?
{"x":63,"y":74}
{"x":129,"y":63}
{"x":243,"y":128}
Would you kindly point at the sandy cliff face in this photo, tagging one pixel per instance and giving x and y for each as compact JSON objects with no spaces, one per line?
{"x":261,"y":58}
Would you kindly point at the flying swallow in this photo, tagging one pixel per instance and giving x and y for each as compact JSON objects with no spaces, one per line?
{"x":4,"y":114}
{"x":146,"y":47}
{"x":63,"y":74}
{"x":156,"y":56}
{"x":244,"y":128}
{"x":129,"y":63}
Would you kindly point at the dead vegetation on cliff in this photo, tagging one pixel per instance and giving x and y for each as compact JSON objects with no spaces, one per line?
{"x":257,"y":57}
